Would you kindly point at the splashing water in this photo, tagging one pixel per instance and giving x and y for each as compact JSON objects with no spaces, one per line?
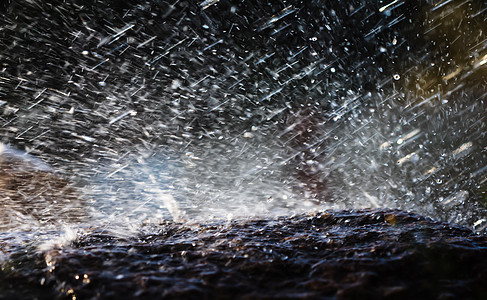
{"x":223,"y":109}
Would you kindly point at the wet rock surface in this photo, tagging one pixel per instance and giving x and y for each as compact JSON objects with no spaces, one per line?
{"x":366,"y":254}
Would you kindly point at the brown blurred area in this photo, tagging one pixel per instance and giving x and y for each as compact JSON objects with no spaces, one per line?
{"x":35,"y":197}
{"x":453,"y":36}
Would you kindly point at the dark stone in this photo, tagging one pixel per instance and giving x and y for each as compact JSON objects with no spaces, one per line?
{"x":367,"y":254}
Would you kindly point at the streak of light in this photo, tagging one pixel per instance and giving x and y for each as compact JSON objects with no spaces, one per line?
{"x":385,"y":7}
{"x":60,"y":92}
{"x":287,"y":66}
{"x":116,"y":119}
{"x":283,"y":13}
{"x":427,"y":100}
{"x":83,"y":137}
{"x":275,"y":113}
{"x":276,"y":31}
{"x":207,"y":3}
{"x":452,"y":198}
{"x":199,"y":81}
{"x":305,"y":72}
{"x":462,"y":148}
{"x":408,"y":136}
{"x":20,"y":82}
{"x":391,"y":97}
{"x":452,"y":74}
{"x":181,"y":19}
{"x":480,"y":62}
{"x":299,"y":51}
{"x":430,"y":171}
{"x":478,"y":222}
{"x":459,"y":86}
{"x":384,"y":82}
{"x":396,"y":20}
{"x":133,"y":94}
{"x":478,"y":122}
{"x":168,"y":50}
{"x":410,"y":157}
{"x":186,"y":146}
{"x":364,"y":20}
{"x":23,"y":132}
{"x":233,"y":85}
{"x":121,"y":52}
{"x":212,"y":45}
{"x":432,"y":28}
{"x":117,"y":170}
{"x":360,"y":127}
{"x":347,"y":107}
{"x":385,"y":145}
{"x":357,"y":10}
{"x":115,"y":36}
{"x":37,"y":96}
{"x":192,"y":41}
{"x":115,"y":49}
{"x":167,"y":199}
{"x":101,"y":63}
{"x":220,"y":104}
{"x":478,"y":172}
{"x":374,"y":31}
{"x":415,"y":116}
{"x":478,"y":13}
{"x":122,"y":31}
{"x":271,"y":94}
{"x":264,"y":58}
{"x":10,"y":121}
{"x":373,"y":200}
{"x":437,"y":6}
{"x":482,"y":44}
{"x":243,"y":150}
{"x":315,"y":85}
{"x":86,"y":24}
{"x":38,"y":136}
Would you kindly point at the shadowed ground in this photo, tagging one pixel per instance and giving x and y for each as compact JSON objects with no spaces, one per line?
{"x":369,"y":254}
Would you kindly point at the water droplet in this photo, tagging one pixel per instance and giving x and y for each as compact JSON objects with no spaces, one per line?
{"x":396,"y":76}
